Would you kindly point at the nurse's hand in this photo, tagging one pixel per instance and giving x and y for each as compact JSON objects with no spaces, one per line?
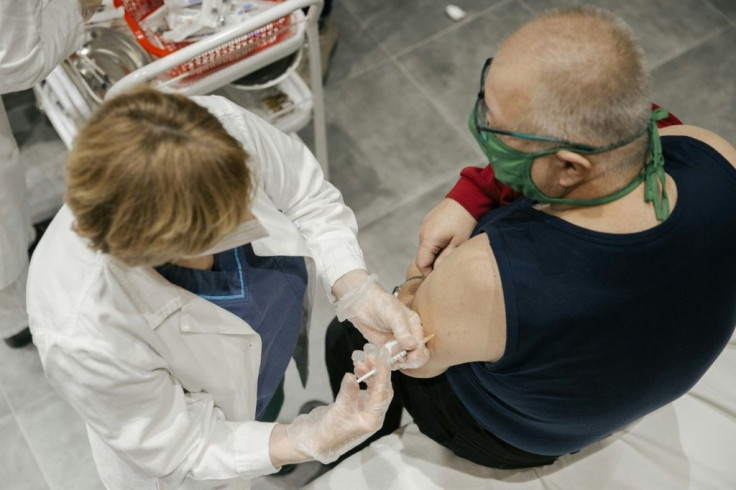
{"x":380,"y":316}
{"x":329,"y":431}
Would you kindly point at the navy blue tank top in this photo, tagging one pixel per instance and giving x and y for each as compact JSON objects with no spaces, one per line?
{"x":604,"y":328}
{"x":266,"y":292}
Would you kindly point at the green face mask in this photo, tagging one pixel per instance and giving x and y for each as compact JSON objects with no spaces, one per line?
{"x":513,"y":167}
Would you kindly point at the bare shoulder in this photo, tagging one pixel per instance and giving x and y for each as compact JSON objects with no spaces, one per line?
{"x":708,"y":137}
{"x":461,"y":302}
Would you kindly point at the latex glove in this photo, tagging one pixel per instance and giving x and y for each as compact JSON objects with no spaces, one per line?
{"x":444,"y":228}
{"x":381,"y":317}
{"x":363,"y":359}
{"x":88,"y":8}
{"x":329,"y":431}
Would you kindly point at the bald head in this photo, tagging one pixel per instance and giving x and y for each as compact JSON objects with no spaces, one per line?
{"x":583,"y":74}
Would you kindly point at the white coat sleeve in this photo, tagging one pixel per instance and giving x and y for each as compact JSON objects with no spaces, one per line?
{"x":35,"y":38}
{"x":130,"y":400}
{"x":294,"y":181}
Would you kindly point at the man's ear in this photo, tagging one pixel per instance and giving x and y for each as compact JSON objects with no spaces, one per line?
{"x":575,"y":168}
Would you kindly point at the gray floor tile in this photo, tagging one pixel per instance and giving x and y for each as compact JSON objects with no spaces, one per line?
{"x":449,"y":66}
{"x":301,"y":475}
{"x":728,"y":7}
{"x":4,"y":406}
{"x":356,"y":50}
{"x":22,"y":376}
{"x":387,"y":142}
{"x":664,"y":28}
{"x":58,"y":438}
{"x":22,"y":111}
{"x":699,"y":86}
{"x":44,"y":160}
{"x":42,"y":153}
{"x":398,"y":25}
{"x":390,"y":243}
{"x":14,"y":100}
{"x":18,"y":468}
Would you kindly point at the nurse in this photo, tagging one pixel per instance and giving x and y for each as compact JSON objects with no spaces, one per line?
{"x":35,"y":36}
{"x":169,"y":293}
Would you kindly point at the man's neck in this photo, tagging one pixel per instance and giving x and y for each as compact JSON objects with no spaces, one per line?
{"x":628,"y":214}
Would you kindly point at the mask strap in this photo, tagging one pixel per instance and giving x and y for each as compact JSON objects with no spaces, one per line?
{"x":654,"y":176}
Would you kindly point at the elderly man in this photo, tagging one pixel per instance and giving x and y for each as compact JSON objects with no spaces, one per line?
{"x":602,"y":294}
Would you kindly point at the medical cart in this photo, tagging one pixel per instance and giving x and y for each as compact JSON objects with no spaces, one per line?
{"x":118,"y":54}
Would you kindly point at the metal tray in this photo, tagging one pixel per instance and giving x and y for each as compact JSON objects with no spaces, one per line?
{"x":106,"y":56}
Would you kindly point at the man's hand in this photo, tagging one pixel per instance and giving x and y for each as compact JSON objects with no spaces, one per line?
{"x":379,"y":316}
{"x":444,"y":228}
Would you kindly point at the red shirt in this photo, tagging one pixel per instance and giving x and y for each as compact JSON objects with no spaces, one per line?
{"x":478,"y":190}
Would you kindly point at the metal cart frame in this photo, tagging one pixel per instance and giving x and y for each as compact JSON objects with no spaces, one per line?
{"x":223,"y":76}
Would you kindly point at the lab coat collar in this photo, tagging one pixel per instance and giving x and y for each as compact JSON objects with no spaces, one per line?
{"x":157,"y":299}
{"x":154,"y":297}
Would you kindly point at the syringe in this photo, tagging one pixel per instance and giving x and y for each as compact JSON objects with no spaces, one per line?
{"x":398,"y":357}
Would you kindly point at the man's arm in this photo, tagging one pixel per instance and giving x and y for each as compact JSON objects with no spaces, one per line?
{"x":461,"y":302}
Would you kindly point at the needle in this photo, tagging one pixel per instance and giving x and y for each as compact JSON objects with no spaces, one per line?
{"x":394,"y":359}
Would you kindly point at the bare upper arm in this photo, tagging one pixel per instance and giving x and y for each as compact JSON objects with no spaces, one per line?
{"x":461,"y":302}
{"x":711,"y":139}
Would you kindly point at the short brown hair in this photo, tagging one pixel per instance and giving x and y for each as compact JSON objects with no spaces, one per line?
{"x":154,"y":176}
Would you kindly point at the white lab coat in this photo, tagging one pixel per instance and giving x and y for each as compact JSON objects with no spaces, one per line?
{"x":122,"y":344}
{"x":34,"y":37}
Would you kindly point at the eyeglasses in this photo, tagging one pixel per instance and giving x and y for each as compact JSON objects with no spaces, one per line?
{"x":481,"y":120}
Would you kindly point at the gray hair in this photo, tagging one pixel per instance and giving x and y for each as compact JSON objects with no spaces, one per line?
{"x":594,"y":87}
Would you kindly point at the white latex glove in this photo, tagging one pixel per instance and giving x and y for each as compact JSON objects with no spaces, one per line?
{"x":329,"y":431}
{"x":363,"y":359}
{"x":88,"y":8}
{"x":380,"y":317}
{"x":444,"y":229}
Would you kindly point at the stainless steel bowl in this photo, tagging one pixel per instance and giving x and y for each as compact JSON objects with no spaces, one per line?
{"x":106,"y":56}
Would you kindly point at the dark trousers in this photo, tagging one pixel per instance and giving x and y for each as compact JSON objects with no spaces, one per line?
{"x":432,"y":404}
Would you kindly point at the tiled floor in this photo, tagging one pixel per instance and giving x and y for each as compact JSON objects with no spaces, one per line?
{"x":402,"y":81}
